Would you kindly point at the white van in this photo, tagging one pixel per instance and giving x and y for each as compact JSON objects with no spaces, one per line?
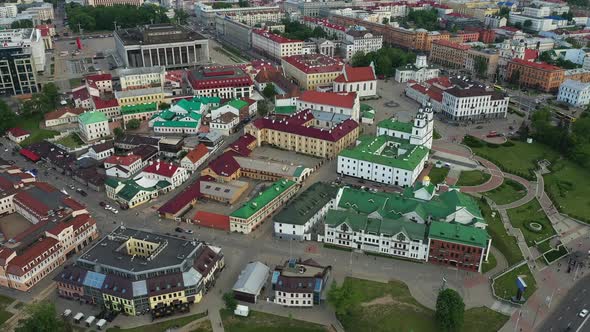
{"x":101,"y":323}
{"x":78,"y":317}
{"x":67,"y":313}
{"x":89,"y":321}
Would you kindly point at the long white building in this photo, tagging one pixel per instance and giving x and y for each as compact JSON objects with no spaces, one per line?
{"x":360,"y":40}
{"x":419,"y":71}
{"x":274,"y":45}
{"x":574,"y":93}
{"x":344,"y":103}
{"x":473,"y":103}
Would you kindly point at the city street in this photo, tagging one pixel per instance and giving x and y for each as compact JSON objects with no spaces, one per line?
{"x":567,"y":314}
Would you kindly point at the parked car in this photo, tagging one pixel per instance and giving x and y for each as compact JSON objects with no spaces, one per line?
{"x":102,"y":204}
{"x":179,"y":230}
{"x":115,"y":211}
{"x":81,"y":192}
{"x":583,"y":313}
{"x":189,"y":231}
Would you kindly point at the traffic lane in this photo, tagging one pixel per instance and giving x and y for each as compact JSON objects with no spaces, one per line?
{"x":569,"y":308}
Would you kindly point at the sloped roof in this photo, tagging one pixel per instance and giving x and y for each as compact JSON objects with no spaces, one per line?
{"x":252,"y":278}
{"x":356,"y":74}
{"x":337,"y":99}
{"x":197,"y":153}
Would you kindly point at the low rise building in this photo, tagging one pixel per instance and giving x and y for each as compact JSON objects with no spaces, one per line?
{"x":141,"y":112}
{"x":449,"y":54}
{"x":195,"y":158}
{"x":61,"y":116}
{"x":123,"y":166}
{"x":299,"y":283}
{"x":251,"y":281}
{"x":343,"y":103}
{"x":474,"y":103}
{"x":361,"y":80}
{"x":537,"y":75}
{"x":311,"y":71}
{"x":220,"y":81}
{"x":134,"y":272}
{"x":420,"y":71}
{"x":574,"y":93}
{"x":304,"y":213}
{"x":254,"y":212}
{"x":18,"y":135}
{"x":101,"y":151}
{"x":298,"y":133}
{"x":142,"y":77}
{"x":358,"y":39}
{"x":162,"y":171}
{"x":225,"y":124}
{"x":93,"y":125}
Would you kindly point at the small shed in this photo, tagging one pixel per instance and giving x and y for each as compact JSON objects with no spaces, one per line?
{"x":242,"y":310}
{"x":250,"y":282}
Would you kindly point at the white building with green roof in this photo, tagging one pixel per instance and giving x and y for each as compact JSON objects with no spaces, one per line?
{"x":250,"y":215}
{"x":93,"y":125}
{"x":131,"y":193}
{"x":396,"y":156}
{"x":298,"y":218}
{"x":141,"y":111}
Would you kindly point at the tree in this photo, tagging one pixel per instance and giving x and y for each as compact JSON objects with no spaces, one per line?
{"x":21,"y":24}
{"x":528,"y":23}
{"x":263,"y":108}
{"x":163,"y":106}
{"x":515,"y":77}
{"x":341,"y":298}
{"x":7,"y":117}
{"x":118,"y":132}
{"x":359,"y":59}
{"x":230,"y":301}
{"x":269,"y":91}
{"x":383,"y":65}
{"x":504,"y":12}
{"x":42,"y":317}
{"x":133,"y":124}
{"x":180,"y":16}
{"x":518,"y":25}
{"x":385,"y":20}
{"x":481,"y":67}
{"x":221,"y":5}
{"x":243,"y":3}
{"x":449,"y":311}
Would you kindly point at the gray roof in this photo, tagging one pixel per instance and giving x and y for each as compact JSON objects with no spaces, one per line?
{"x":191,"y":277}
{"x":252,"y":278}
{"x":331,"y":117}
{"x":139,"y":288}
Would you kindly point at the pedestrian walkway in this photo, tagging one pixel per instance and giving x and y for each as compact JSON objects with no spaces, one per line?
{"x":501,"y":263}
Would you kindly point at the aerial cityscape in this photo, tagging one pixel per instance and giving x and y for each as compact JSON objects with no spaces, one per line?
{"x":295,"y":166}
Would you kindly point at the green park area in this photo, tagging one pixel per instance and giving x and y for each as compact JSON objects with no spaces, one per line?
{"x":31,"y":124}
{"x":263,"y":322}
{"x":71,"y":141}
{"x":490,"y":264}
{"x":505,"y":243}
{"x":384,"y":307}
{"x":5,"y":301}
{"x":472,"y":178}
{"x":438,"y":175}
{"x":510,"y":191}
{"x":528,"y":218}
{"x":505,"y":285}
{"x":164,"y":325}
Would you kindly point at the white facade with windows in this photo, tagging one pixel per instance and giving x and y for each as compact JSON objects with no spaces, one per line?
{"x":274,"y":45}
{"x":360,"y":41}
{"x":418,"y":72}
{"x":143,"y":77}
{"x":473,"y":103}
{"x":294,"y":299}
{"x":574,"y":93}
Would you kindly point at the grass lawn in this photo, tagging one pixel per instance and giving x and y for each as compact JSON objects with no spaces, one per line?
{"x":387,"y":307}
{"x":567,"y":186}
{"x":544,"y":246}
{"x":438,"y":175}
{"x":505,"y":286}
{"x":510,"y":191}
{"x":32,"y":125}
{"x":162,"y":326}
{"x":436,"y":135}
{"x":262,"y":322}
{"x":555,"y":254}
{"x":472,"y":178}
{"x":531,"y":212}
{"x":5,"y":301}
{"x":204,"y":326}
{"x":490,"y":264}
{"x":483,"y":319}
{"x":520,"y":157}
{"x":505,"y":243}
{"x":75,"y":82}
{"x":71,"y":141}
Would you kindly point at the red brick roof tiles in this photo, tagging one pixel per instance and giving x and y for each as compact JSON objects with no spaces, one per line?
{"x":122,"y":160}
{"x":17,"y":265}
{"x":100,"y":103}
{"x":356,"y":74}
{"x":314,"y":63}
{"x":274,"y":37}
{"x":182,"y":199}
{"x":196,"y":154}
{"x":162,"y":168}
{"x":61,"y":111}
{"x":18,"y":132}
{"x":337,"y":99}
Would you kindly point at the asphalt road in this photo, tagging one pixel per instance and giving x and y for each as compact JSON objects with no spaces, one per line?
{"x":566,"y":314}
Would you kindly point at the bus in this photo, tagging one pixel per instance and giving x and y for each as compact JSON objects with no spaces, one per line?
{"x":498,"y":88}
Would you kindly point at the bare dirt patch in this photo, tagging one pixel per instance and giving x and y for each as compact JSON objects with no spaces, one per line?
{"x":388,"y":300}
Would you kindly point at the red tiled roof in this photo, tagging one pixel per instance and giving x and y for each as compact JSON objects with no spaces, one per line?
{"x":18,"y":132}
{"x":17,"y":264}
{"x":314,"y":63}
{"x":443,"y":81}
{"x":100,"y":103}
{"x":324,"y":22}
{"x":197,"y":153}
{"x":261,"y":64}
{"x":122,"y":160}
{"x":182,"y":199}
{"x":5,"y":253}
{"x":219,"y":77}
{"x":295,"y":125}
{"x":338,"y":99}
{"x":174,"y":75}
{"x":61,"y":111}
{"x":250,"y":101}
{"x":451,"y":44}
{"x":274,"y":37}
{"x":77,"y":222}
{"x":225,"y":164}
{"x":162,"y":168}
{"x":356,"y":74}
{"x":530,"y":55}
{"x":80,"y":93}
{"x":99,"y":77}
{"x":73,"y":204}
{"x":538,"y":65}
{"x":213,"y":220}
{"x":30,"y":155}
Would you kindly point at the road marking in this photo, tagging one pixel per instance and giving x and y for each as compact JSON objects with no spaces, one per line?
{"x":582,"y":325}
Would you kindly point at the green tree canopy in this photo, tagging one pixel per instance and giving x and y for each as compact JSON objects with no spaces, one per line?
{"x":42,"y":317}
{"x":230,"y":301}
{"x":103,"y":18}
{"x":424,"y":19}
{"x":449,"y":311}
{"x":269,"y":91}
{"x":133,"y":124}
{"x":180,"y":16}
{"x":385,"y":59}
{"x":341,"y":298}
{"x":118,"y":132}
{"x":21,"y":24}
{"x":7,"y":117}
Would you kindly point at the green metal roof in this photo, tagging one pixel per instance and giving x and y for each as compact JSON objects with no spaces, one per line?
{"x":237,"y":104}
{"x":262,"y":199}
{"x":189,"y":105}
{"x":368,"y":114}
{"x":176,"y":124}
{"x":166,"y":115}
{"x":111,"y":182}
{"x":393,"y":124}
{"x":458,"y":233}
{"x":285,"y":109}
{"x":365,"y":108}
{"x":139,"y":108}
{"x":362,"y":222}
{"x":307,"y":204}
{"x":193,"y":115}
{"x":92,"y":117}
{"x":370,"y":149}
{"x":208,"y":100}
{"x":394,"y":205}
